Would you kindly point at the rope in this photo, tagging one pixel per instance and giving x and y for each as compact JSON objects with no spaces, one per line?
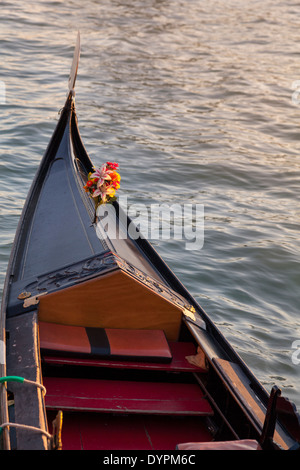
{"x":15,"y":378}
{"x":24,"y":426}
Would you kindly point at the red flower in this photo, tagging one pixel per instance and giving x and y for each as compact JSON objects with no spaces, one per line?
{"x":112,"y":165}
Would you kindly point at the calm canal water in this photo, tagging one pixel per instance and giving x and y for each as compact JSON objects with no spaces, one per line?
{"x":198,"y":103}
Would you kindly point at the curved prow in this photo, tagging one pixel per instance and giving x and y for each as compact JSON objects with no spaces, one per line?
{"x":74,"y":67}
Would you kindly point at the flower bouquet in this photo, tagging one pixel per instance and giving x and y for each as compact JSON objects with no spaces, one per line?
{"x":103,"y":183}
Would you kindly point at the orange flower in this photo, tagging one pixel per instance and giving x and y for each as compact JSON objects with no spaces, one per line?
{"x":115,"y":177}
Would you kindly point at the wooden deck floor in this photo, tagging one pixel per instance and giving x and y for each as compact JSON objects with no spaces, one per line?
{"x":86,"y":431}
{"x":127,"y":405}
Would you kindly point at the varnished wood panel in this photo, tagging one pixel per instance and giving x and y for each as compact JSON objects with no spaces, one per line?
{"x":112,"y":301}
{"x":244,"y":393}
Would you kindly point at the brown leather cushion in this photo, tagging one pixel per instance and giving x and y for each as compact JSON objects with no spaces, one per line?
{"x":244,"y":444}
{"x":138,"y":343}
{"x":144,"y":345}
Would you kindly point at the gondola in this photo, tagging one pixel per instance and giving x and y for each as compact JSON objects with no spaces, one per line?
{"x":102,"y":347}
